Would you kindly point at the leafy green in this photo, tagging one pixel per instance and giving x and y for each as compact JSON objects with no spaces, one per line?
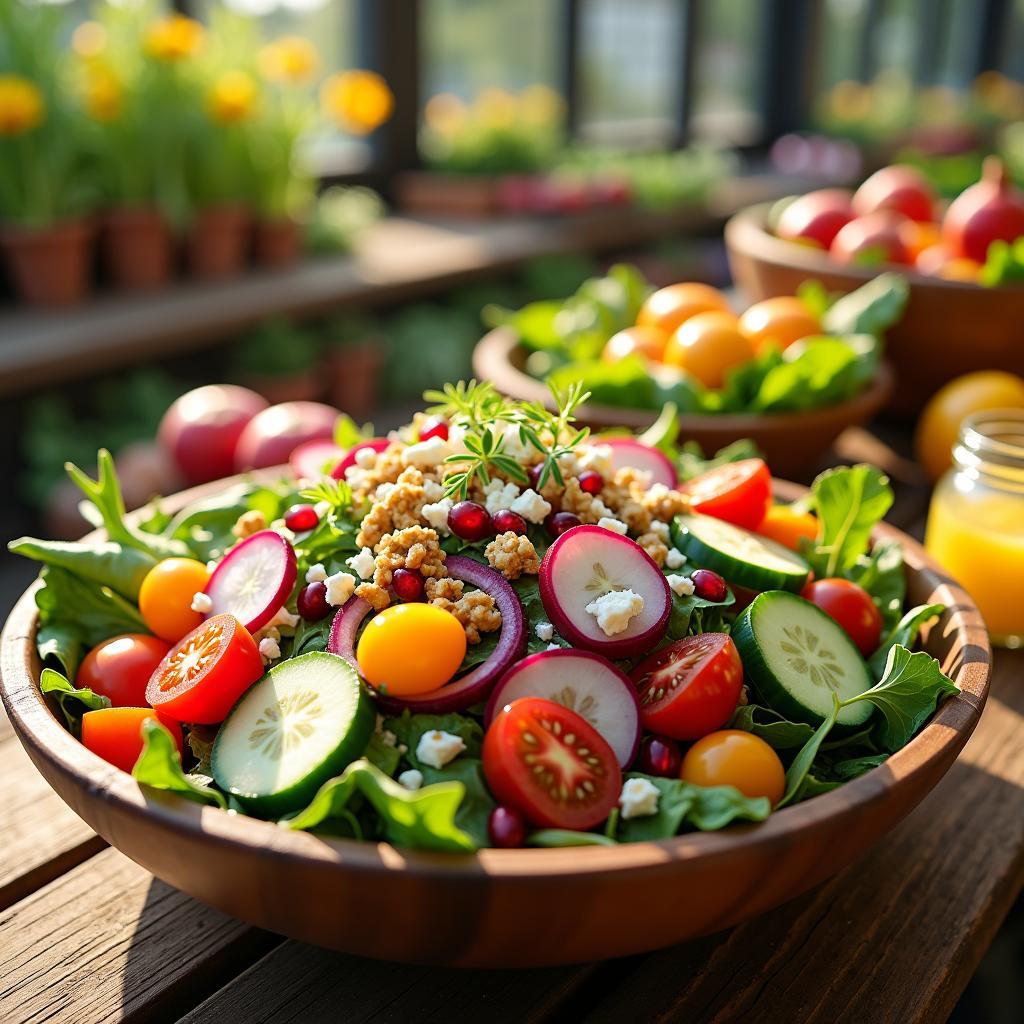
{"x":410,"y":728}
{"x":60,"y":643}
{"x":692,"y":614}
{"x":476,"y":804}
{"x":854,"y":766}
{"x":382,"y":755}
{"x":159,"y":767}
{"x":880,"y":573}
{"x":72,"y":702}
{"x":1004,"y":264}
{"x":562,"y":837}
{"x":768,"y":725}
{"x":903,"y":633}
{"x":105,"y":562}
{"x":871,"y":309}
{"x":824,"y":371}
{"x":800,"y":766}
{"x":691,"y":461}
{"x":813,"y":786}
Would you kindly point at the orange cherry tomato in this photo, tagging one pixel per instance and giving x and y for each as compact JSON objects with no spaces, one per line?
{"x":165,"y":598}
{"x":960,"y":269}
{"x":732,"y":757}
{"x":120,"y":668}
{"x":648,"y":342}
{"x":411,"y":648}
{"x":918,"y":236}
{"x":670,"y":307}
{"x":707,"y":346}
{"x":115,"y":734}
{"x":782,"y":523}
{"x":779,"y":321}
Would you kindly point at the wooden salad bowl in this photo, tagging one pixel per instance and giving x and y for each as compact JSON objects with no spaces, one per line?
{"x":948,"y":328}
{"x":792,"y":442}
{"x":505,"y":908}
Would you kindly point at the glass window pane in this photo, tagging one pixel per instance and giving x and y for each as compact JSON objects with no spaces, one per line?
{"x":842,"y":28}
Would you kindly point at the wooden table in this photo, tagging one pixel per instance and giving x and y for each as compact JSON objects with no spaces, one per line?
{"x":86,"y":935}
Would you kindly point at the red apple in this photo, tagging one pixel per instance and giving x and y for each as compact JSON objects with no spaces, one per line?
{"x":201,"y":429}
{"x":899,"y":187}
{"x":988,"y":211}
{"x":868,"y":241}
{"x":271,"y":436}
{"x":815,"y":218}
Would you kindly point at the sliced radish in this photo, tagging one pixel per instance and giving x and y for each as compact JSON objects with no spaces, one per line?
{"x":588,"y":562}
{"x":627,"y":453}
{"x":377,"y":444}
{"x":253,"y":580}
{"x":474,"y":686}
{"x":315,"y":459}
{"x":583,"y":682}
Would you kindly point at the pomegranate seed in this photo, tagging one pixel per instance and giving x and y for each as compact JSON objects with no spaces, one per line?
{"x":506,"y":827}
{"x":300,"y":518}
{"x":408,"y":584}
{"x":435,"y":427}
{"x":709,"y":585}
{"x":534,"y":473}
{"x":660,"y":755}
{"x":312,"y":603}
{"x":506,"y":520}
{"x":470,"y":521}
{"x":591,"y":481}
{"x":559,"y":522}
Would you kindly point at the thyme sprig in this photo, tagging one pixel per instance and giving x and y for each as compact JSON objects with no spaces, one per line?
{"x":336,"y":493}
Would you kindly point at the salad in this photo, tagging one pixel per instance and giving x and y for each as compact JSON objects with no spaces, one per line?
{"x":490,"y":628}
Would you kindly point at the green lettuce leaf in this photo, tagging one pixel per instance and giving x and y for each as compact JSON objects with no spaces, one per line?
{"x":382,"y":755}
{"x":71,"y":701}
{"x":800,"y":766}
{"x":854,"y":766}
{"x":692,"y":614}
{"x":778,"y":732}
{"x":409,"y":728}
{"x":476,"y":804}
{"x":60,"y":644}
{"x":871,"y":309}
{"x":881,"y":574}
{"x":903,"y":633}
{"x":159,"y":767}
{"x":561,"y":837}
{"x":103,"y":562}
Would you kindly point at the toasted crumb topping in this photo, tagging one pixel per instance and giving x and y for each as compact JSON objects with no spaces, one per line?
{"x":416,"y":548}
{"x":249,"y":523}
{"x":512,"y":555}
{"x":475,"y":611}
{"x":654,"y":546}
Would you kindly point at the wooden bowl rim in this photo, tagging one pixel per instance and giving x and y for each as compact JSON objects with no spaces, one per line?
{"x":45,"y":738}
{"x":492,"y":361}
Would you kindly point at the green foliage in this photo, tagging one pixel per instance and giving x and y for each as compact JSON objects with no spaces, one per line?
{"x":72,"y":702}
{"x":159,"y":767}
{"x":276,"y":347}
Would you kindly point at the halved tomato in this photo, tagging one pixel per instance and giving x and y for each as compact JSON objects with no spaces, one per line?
{"x":738,"y":492}
{"x":691,"y":687}
{"x":115,"y":734}
{"x":202,"y":677}
{"x":551,"y":765}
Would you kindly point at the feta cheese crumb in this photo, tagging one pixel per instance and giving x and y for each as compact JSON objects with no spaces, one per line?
{"x":321,"y":508}
{"x":425,"y":454}
{"x":544,"y":630}
{"x":282,"y":531}
{"x":675,"y":559}
{"x":269,"y":649}
{"x":553,"y":647}
{"x":316,"y":573}
{"x":362,"y":564}
{"x":660,"y":529}
{"x":680,"y":585}
{"x":615,"y":525}
{"x":437,"y":748}
{"x":432,"y":490}
{"x":339,"y":588}
{"x":595,"y":456}
{"x":437,"y":515}
{"x":614,"y":610}
{"x":411,"y":779}
{"x":514,"y":446}
{"x":366,"y":458}
{"x":601,"y":510}
{"x":211,"y":566}
{"x":499,"y":495}
{"x":283,"y":619}
{"x":388,"y":738}
{"x":531,"y":506}
{"x":639,"y":798}
{"x":202,"y":603}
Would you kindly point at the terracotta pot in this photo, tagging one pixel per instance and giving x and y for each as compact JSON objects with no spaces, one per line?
{"x":277,"y":243}
{"x":50,"y":266}
{"x":354,"y":374}
{"x":303,"y":386}
{"x":437,"y":194}
{"x":137,"y":248}
{"x":215,"y":245}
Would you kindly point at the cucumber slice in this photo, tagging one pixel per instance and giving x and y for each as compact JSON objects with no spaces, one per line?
{"x":740,"y":556}
{"x":796,"y":657}
{"x":301,"y":724}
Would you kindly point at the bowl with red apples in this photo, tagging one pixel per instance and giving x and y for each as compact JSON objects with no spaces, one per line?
{"x":964,"y":262}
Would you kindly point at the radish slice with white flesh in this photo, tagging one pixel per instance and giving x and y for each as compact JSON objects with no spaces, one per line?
{"x":475,"y":685}
{"x":627,"y":453}
{"x":586,"y":563}
{"x":253,"y":580}
{"x":313,"y":460}
{"x":375,"y":444}
{"x":583,"y":682}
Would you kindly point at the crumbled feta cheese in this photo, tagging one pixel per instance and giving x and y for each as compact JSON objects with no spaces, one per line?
{"x":514,"y":446}
{"x":388,"y":738}
{"x":339,"y":588}
{"x":455,"y":439}
{"x":412,"y":778}
{"x":614,"y":610}
{"x":660,"y":529}
{"x":553,"y":647}
{"x":601,"y":510}
{"x":657,"y":491}
{"x":316,"y":573}
{"x":615,"y":525}
{"x":544,"y":630}
{"x":639,"y":798}
{"x":283,"y":619}
{"x":675,"y":559}
{"x":211,"y":565}
{"x":425,"y":454}
{"x":362,"y":564}
{"x":432,"y":490}
{"x":282,"y":531}
{"x":269,"y":649}
{"x":680,"y":585}
{"x":499,"y":495}
{"x":597,"y":457}
{"x":321,"y":508}
{"x":437,"y":748}
{"x":436,"y":515}
{"x":202,"y":603}
{"x":366,"y":458}
{"x":569,"y":464}
{"x":531,"y":506}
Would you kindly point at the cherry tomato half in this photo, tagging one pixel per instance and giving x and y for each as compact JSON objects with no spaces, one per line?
{"x":165,"y":598}
{"x":120,"y":668}
{"x":115,"y":734}
{"x":738,"y":492}
{"x":202,"y":677}
{"x":732,"y":757}
{"x":851,"y":606}
{"x":551,"y":765}
{"x":691,"y":687}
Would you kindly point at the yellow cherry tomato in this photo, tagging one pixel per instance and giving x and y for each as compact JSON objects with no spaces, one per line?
{"x":781,"y":321}
{"x":707,"y":346}
{"x":960,"y":269}
{"x":939,"y":425}
{"x":783,"y":524}
{"x":648,"y":342}
{"x":670,"y":307}
{"x":165,"y":598}
{"x":411,"y":648}
{"x":732,"y":757}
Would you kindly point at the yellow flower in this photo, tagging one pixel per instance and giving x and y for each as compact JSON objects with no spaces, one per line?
{"x":232,"y":98}
{"x":850,"y":101}
{"x":445,"y":113}
{"x":102,"y":94}
{"x":497,"y":107}
{"x":358,"y":100}
{"x":89,"y":39}
{"x":290,"y":59}
{"x":21,"y":105}
{"x":541,"y":105}
{"x":174,"y":38}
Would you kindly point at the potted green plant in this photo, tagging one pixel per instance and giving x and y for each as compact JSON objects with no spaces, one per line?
{"x":355,"y":351}
{"x":280,"y":360}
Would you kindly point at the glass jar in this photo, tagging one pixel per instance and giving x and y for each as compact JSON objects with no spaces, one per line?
{"x":976,"y":520}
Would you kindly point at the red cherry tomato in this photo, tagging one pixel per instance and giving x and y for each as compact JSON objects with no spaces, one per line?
{"x":851,"y":606}
{"x":202,"y":677}
{"x":551,"y":765}
{"x":120,"y":668}
{"x":691,"y":687}
{"x":115,"y":734}
{"x":738,"y":492}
